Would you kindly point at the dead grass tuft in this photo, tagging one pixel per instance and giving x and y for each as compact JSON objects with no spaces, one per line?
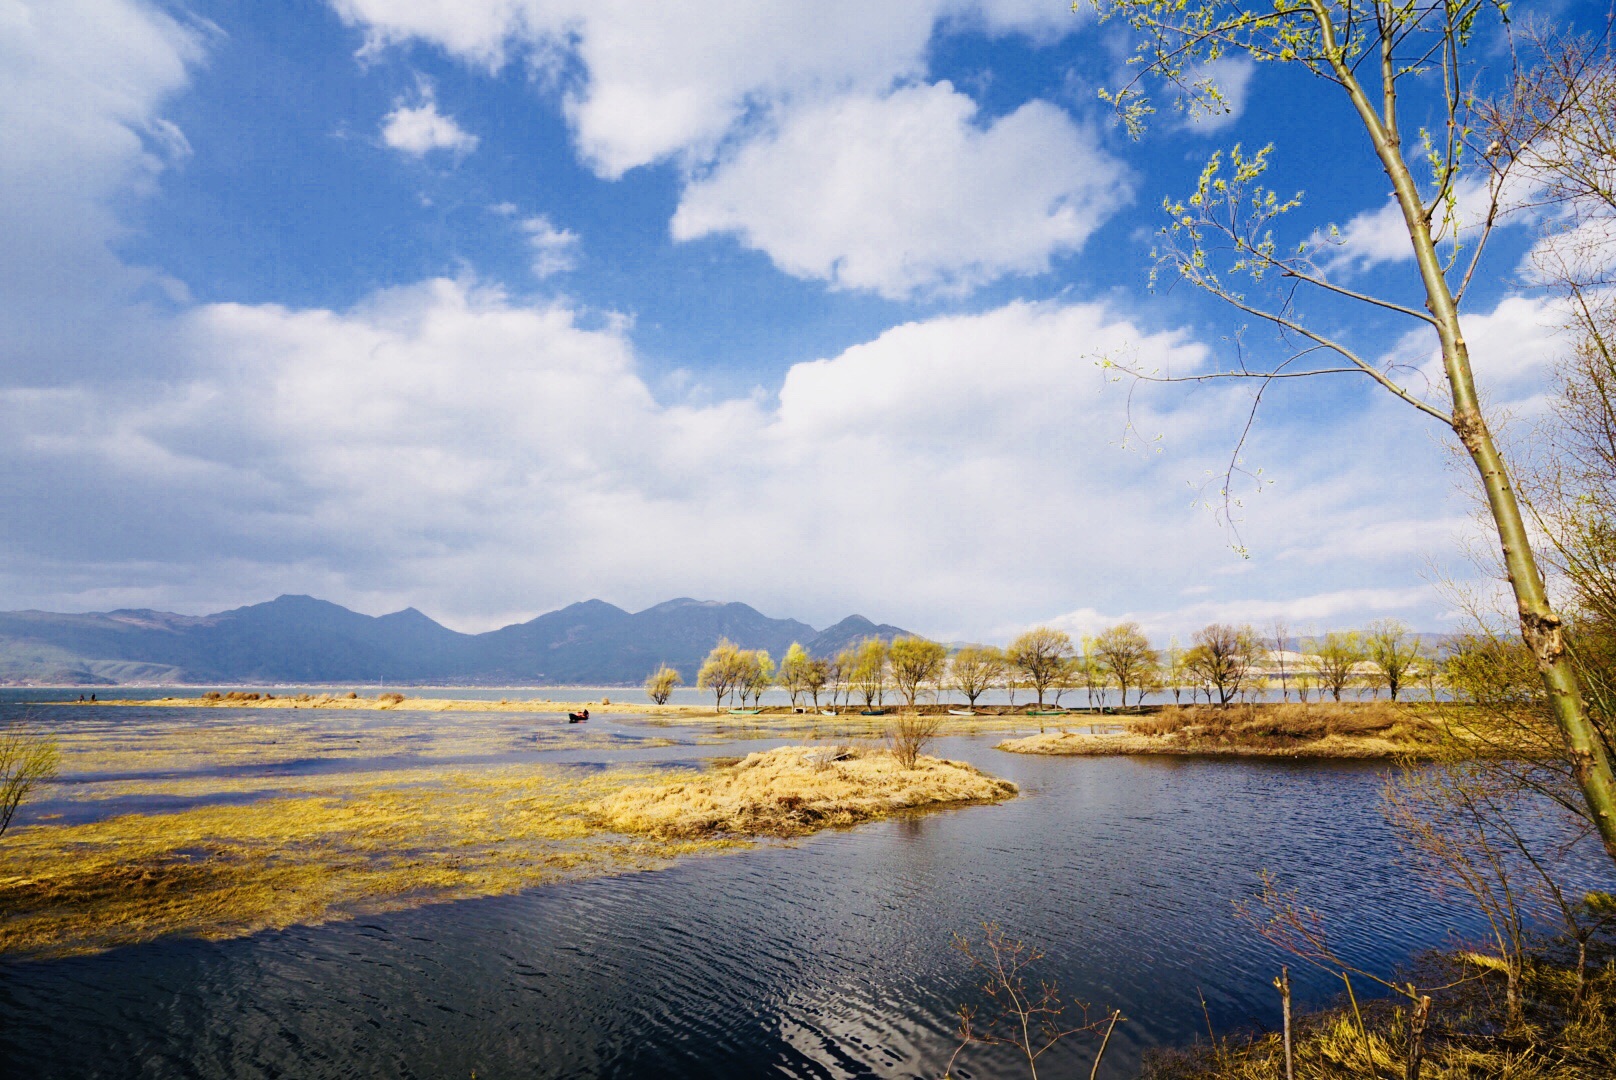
{"x":795,"y":790}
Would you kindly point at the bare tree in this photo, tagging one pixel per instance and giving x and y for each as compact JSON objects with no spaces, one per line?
{"x":1127,"y":655}
{"x":974,"y":670}
{"x":27,"y":759}
{"x":909,"y":736}
{"x":1282,"y":634}
{"x":1027,"y":1019}
{"x":1039,"y":654}
{"x":1223,"y":657}
{"x":1221,"y":239}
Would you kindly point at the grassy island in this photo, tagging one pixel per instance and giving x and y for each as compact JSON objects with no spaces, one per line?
{"x":1370,"y":730}
{"x":793,"y":790}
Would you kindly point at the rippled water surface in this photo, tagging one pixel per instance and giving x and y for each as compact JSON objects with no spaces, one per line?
{"x":826,"y":958}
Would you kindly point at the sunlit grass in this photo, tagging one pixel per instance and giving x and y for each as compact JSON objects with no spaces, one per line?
{"x":793,"y":790}
{"x":417,"y":810}
{"x":1327,"y":729}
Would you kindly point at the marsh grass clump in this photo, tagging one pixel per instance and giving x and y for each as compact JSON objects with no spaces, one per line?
{"x":795,"y":790}
{"x":1568,"y":1033}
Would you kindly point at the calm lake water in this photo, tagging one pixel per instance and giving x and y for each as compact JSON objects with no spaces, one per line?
{"x":829,"y":957}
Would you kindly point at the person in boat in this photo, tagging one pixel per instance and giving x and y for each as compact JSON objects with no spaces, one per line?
{"x":577,"y":718}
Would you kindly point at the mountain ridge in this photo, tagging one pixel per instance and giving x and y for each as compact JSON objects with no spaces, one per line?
{"x":297,"y":638}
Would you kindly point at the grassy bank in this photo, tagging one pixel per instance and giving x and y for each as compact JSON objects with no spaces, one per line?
{"x":1368,"y":730}
{"x":1566,"y":1033}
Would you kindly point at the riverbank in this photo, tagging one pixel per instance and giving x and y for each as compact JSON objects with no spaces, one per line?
{"x":241,"y":825}
{"x":1367,"y":730}
{"x":1566,"y":1031}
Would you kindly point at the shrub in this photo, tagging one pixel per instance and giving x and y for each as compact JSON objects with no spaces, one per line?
{"x":909,"y":736}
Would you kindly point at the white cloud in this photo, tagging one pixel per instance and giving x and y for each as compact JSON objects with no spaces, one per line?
{"x":661,"y":80}
{"x":443,"y":446}
{"x":555,"y":250}
{"x":1514,"y":351}
{"x":906,"y":192}
{"x":1304,"y":614}
{"x":1231,"y":75}
{"x":82,"y":87}
{"x":1381,"y":236}
{"x":420,"y":129}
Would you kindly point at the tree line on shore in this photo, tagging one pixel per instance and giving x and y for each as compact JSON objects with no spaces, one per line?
{"x":1222,"y":663}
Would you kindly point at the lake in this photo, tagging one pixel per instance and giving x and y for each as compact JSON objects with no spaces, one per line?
{"x":827,"y":957}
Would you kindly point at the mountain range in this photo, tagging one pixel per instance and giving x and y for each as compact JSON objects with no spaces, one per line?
{"x":299,"y":639}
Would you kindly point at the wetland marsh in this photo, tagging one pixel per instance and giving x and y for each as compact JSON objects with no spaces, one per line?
{"x":603,"y":953}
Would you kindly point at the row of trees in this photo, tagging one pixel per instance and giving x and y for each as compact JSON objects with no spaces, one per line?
{"x":1223,"y":662}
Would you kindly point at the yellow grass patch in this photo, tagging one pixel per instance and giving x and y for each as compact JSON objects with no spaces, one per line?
{"x":226,"y":871}
{"x":1332,"y":730}
{"x":793,"y":790}
{"x":428,"y":822}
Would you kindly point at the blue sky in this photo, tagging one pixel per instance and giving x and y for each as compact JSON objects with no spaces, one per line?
{"x":494,"y":305}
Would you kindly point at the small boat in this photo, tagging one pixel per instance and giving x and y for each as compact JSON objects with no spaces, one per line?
{"x":827,"y":712}
{"x":872,"y":712}
{"x":577,"y":718}
{"x":960,"y":712}
{"x":1046,"y":712}
{"x":744,"y":712}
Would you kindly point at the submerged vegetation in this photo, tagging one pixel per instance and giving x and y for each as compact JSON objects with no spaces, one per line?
{"x":408,"y":814}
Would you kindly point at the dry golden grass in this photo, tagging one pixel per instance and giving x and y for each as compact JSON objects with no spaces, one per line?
{"x":432,"y":823}
{"x":1332,"y":730}
{"x":363,"y":845}
{"x":793,"y":790}
{"x":1567,"y":1036}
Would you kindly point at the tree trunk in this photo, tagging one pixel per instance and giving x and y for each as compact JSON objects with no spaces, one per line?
{"x":1540,"y":625}
{"x":1284,"y":985}
{"x":1417,"y":1018}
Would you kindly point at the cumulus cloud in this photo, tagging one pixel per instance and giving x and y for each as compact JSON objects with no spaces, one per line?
{"x":445,"y":446}
{"x":1231,"y":76}
{"x":1380,"y":235}
{"x":907,"y":192}
{"x":555,"y":250}
{"x":787,"y":117}
{"x":420,"y":129}
{"x":82,"y":88}
{"x":665,"y":79}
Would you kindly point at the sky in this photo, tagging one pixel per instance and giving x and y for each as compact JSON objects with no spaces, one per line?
{"x":489,"y":306}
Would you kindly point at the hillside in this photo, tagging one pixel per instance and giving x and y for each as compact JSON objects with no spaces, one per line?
{"x":299,"y":639}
